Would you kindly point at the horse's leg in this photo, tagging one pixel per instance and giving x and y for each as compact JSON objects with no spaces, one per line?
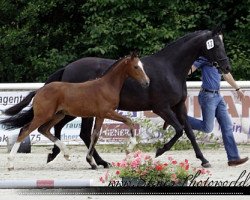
{"x":190,"y":134}
{"x":181,"y":113}
{"x":176,"y":121}
{"x":169,"y":116}
{"x":58,"y":128}
{"x":117,"y":117}
{"x":24,"y":132}
{"x":85,"y":135}
{"x":94,"y":137}
{"x":45,"y":130}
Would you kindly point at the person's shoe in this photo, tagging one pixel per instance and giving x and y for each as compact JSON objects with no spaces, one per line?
{"x":237,"y":162}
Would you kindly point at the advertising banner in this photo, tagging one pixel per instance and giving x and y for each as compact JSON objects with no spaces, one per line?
{"x":116,"y":132}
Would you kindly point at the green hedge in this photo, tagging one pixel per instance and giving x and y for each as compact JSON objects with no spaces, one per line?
{"x":39,"y":36}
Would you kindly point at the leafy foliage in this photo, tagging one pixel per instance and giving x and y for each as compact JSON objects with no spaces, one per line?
{"x":37,"y":37}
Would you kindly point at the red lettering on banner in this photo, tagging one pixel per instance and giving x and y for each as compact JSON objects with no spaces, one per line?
{"x":231,"y":106}
{"x":246,"y":106}
{"x":150,"y":114}
{"x":197,"y":109}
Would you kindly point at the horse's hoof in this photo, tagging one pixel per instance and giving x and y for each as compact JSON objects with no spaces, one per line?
{"x":67,"y":157}
{"x":127,"y":152}
{"x":206,"y":165}
{"x":94,"y":167}
{"x":105,"y":164}
{"x":159,"y":152}
{"x":50,"y":157}
{"x":10,"y":168}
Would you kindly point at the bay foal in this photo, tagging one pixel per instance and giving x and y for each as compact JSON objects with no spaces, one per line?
{"x":96,"y":98}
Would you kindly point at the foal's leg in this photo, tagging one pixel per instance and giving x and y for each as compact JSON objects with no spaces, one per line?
{"x":58,"y":128}
{"x":45,"y":130}
{"x":94,"y":137}
{"x":117,"y":117}
{"x":24,"y":132}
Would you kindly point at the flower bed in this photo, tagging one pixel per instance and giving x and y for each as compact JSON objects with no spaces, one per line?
{"x":139,"y":169}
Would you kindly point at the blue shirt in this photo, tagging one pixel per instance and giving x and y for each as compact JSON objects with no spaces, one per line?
{"x":210,"y":75}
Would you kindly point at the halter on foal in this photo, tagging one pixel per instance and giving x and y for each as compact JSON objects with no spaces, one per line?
{"x":99,"y":98}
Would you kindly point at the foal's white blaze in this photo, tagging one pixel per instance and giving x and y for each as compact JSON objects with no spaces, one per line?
{"x":140,"y":65}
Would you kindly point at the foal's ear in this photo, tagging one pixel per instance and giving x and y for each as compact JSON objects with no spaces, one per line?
{"x":134,"y":54}
{"x":217,"y":30}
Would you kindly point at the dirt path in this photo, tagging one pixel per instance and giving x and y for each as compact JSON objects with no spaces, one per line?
{"x":34,"y":166}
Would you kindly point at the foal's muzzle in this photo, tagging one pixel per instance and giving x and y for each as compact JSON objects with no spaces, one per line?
{"x":145,"y":83}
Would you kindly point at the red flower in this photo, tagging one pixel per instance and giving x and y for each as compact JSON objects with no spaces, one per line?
{"x":174,"y":162}
{"x":117,"y":172}
{"x":159,"y":167}
{"x":165,"y":164}
{"x":187,"y":167}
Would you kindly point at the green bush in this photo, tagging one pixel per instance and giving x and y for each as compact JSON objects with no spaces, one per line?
{"x":37,"y":37}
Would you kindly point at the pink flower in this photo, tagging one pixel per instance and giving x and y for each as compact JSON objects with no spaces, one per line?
{"x":186,"y":160}
{"x":170,"y":158}
{"x":123,"y":163}
{"x":101,"y":179}
{"x":134,"y":164}
{"x":173,"y":177}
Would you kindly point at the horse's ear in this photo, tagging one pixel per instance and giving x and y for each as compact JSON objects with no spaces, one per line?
{"x":134,"y":54}
{"x":217,"y":30}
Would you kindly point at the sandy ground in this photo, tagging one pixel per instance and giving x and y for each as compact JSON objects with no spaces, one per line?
{"x":34,"y":166}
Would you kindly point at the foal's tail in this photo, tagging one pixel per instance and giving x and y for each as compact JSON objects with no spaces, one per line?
{"x":22,"y":104}
{"x":19,"y":120}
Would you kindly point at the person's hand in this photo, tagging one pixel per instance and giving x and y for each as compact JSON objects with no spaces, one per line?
{"x":240,"y":94}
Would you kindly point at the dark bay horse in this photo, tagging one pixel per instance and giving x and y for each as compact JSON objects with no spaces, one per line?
{"x":97,"y":98}
{"x":166,"y":95}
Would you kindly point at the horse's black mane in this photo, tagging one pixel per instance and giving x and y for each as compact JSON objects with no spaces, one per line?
{"x":183,"y":39}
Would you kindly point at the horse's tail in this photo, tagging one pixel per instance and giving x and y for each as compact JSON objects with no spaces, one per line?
{"x":57,"y":76}
{"x":19,"y":120}
{"x":22,"y":104}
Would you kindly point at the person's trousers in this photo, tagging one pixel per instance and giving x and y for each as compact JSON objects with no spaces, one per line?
{"x":213,"y":106}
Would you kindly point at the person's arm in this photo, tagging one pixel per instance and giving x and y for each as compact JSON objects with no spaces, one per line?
{"x":229,"y":78}
{"x":193,"y":68}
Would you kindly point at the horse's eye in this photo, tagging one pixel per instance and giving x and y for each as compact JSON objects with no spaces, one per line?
{"x":136,"y":67}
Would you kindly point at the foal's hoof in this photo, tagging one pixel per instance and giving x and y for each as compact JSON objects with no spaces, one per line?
{"x":50,"y":157}
{"x":159,"y":152}
{"x":206,"y":165}
{"x":67,"y":157}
